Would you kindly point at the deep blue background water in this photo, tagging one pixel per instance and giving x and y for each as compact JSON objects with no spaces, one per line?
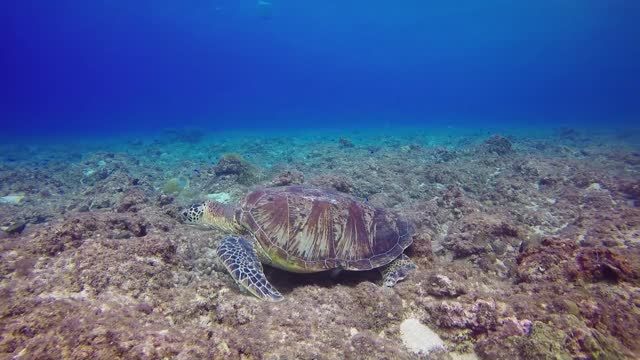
{"x":86,"y":66}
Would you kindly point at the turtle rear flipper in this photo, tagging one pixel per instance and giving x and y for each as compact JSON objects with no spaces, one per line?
{"x":239,"y":257}
{"x":397,"y":270}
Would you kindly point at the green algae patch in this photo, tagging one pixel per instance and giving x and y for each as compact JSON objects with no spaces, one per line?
{"x":600,"y":347}
{"x":545,"y":343}
{"x":175,"y":185}
{"x":589,"y":342}
{"x":551,"y":343}
{"x":572,"y":308}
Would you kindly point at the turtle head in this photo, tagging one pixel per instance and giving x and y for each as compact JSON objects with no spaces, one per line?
{"x":213,"y":214}
{"x":193,"y":214}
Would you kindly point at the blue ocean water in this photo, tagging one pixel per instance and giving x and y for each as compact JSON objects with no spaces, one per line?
{"x":505,"y":132}
{"x":83,"y":67}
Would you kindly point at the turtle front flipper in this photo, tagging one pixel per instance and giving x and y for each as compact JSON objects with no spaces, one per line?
{"x":239,"y":257}
{"x":397,"y":270}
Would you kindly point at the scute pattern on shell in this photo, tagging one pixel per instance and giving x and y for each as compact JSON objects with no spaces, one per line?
{"x":317,"y":230}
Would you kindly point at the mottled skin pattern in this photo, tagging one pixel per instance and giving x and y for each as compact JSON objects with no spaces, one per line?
{"x":239,"y":257}
{"x":306,"y":230}
{"x":397,"y":270}
{"x":194,"y":213}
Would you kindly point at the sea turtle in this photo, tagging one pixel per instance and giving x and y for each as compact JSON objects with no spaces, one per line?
{"x":305,"y":230}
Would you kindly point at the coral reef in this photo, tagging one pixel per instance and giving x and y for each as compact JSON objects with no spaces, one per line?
{"x":235,"y":164}
{"x":498,"y":145}
{"x":525,"y":251}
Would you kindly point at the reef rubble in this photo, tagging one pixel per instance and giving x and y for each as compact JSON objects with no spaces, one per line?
{"x":527,"y":248}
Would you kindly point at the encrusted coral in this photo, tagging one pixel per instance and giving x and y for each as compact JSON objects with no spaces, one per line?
{"x":236,"y":164}
{"x":497,"y":144}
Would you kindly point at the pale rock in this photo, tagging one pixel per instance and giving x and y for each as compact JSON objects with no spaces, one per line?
{"x":12,"y":199}
{"x":419,"y":339}
{"x":221,"y":197}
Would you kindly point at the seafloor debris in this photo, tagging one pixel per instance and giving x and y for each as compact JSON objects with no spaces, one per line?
{"x":288,"y":177}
